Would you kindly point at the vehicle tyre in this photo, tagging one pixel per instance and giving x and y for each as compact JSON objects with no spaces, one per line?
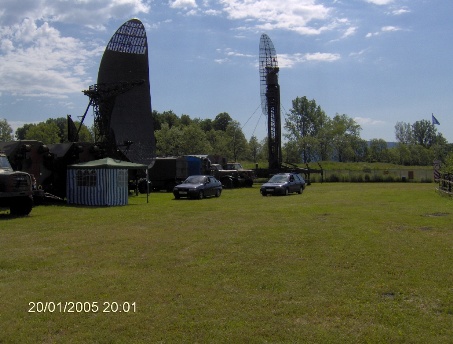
{"x":264,"y":193}
{"x":21,"y":207}
{"x":142,"y":187}
{"x":300,"y":190}
{"x":177,"y":196}
{"x":200,"y":195}
{"x":170,"y":186}
{"x":286,"y":192}
{"x":227,"y":183}
{"x":217,"y":193}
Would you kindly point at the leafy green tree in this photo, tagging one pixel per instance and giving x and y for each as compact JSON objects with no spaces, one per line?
{"x":403,"y":154}
{"x":325,"y":139}
{"x":378,"y":151}
{"x":448,"y":163}
{"x":168,"y":141}
{"x":403,"y":133}
{"x":206,"y":125}
{"x":6,"y":132}
{"x":346,"y":136}
{"x":291,"y":152}
{"x":420,"y":155}
{"x":62,"y":124}
{"x":31,"y":131}
{"x":168,"y":117}
{"x":220,"y":142}
{"x":85,"y":134}
{"x":185,"y":120}
{"x":360,"y":147}
{"x":194,"y":141}
{"x":264,"y":154}
{"x":22,"y":131}
{"x":419,"y":142}
{"x":304,"y":124}
{"x":424,"y":133}
{"x":221,"y":121}
{"x":238,"y":143}
{"x":157,"y":125}
{"x":254,"y":149}
{"x":47,"y":133}
{"x":393,"y":156}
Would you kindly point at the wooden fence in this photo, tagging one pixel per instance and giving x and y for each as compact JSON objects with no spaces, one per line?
{"x":446,"y":185}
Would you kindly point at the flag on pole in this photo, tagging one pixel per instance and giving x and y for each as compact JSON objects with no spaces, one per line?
{"x":434,"y":119}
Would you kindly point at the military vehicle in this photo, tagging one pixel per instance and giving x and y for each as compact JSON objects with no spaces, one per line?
{"x":233,"y":175}
{"x":16,"y":189}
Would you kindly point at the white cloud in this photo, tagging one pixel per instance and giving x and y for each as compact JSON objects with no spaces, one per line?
{"x":359,"y":55}
{"x":365,"y":121}
{"x":326,"y":57}
{"x":390,"y":28}
{"x":384,"y":29}
{"x":400,"y":11}
{"x":350,"y":31}
{"x":38,"y":61}
{"x":379,"y":2}
{"x":289,"y":61}
{"x":83,"y":12}
{"x":183,"y":4}
{"x":306,"y":17}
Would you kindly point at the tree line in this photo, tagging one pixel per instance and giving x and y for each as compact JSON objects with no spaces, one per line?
{"x":313,"y":136}
{"x":310,"y":136}
{"x":53,"y":130}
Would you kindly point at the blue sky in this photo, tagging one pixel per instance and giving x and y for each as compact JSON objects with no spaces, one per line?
{"x":377,"y":61}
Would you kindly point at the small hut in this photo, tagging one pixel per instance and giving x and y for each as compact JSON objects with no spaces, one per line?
{"x":102,"y":182}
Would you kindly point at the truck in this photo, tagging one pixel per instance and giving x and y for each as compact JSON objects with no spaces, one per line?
{"x":167,"y":172}
{"x":170,"y":171}
{"x":233,"y":175}
{"x":47,"y":163}
{"x":16,"y":189}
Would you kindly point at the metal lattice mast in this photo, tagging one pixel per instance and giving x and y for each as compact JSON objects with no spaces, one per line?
{"x":270,"y":99}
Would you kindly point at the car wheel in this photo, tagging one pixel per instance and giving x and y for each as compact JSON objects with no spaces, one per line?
{"x":300,"y":190}
{"x":227,"y":183}
{"x":217,"y":193}
{"x":200,"y":195}
{"x":264,"y":193}
{"x":286,"y":192}
{"x":21,"y":207}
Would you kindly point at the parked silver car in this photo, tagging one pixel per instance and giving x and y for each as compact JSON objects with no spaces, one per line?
{"x":283,"y":184}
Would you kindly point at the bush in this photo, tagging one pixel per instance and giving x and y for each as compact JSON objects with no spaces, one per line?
{"x":333,"y":178}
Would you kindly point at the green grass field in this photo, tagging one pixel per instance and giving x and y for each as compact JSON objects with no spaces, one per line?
{"x":341,"y":263}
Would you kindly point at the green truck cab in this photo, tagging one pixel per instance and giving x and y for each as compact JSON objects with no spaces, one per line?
{"x":16,"y":189}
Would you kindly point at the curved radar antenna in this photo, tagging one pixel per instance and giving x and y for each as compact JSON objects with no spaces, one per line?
{"x":268,"y":60}
{"x":270,"y":99}
{"x":122,"y":98}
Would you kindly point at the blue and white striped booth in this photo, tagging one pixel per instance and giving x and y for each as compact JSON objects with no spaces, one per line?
{"x":101,"y":182}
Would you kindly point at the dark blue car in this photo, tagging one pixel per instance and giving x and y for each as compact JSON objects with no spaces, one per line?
{"x":199,"y":186}
{"x":283,"y":184}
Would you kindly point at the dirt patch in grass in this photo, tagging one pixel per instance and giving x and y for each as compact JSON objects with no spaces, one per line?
{"x":436,"y":214}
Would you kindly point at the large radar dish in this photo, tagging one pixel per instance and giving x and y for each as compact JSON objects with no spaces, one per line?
{"x":270,"y":100}
{"x":268,"y":61}
{"x":122,"y":99}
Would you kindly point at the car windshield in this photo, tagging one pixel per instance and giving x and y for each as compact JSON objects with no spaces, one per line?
{"x":195,"y":180}
{"x":4,"y":163}
{"x":278,"y":178}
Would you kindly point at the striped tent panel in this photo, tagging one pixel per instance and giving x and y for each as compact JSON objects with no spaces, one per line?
{"x":97,"y":186}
